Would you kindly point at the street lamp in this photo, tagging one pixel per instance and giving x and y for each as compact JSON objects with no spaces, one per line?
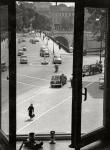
{"x":97,"y":19}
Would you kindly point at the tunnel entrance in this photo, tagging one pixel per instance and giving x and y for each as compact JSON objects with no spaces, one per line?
{"x":63,"y":41}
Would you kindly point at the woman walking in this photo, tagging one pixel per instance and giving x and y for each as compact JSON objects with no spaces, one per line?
{"x":31,"y":111}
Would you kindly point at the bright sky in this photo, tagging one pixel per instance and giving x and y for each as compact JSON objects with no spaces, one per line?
{"x":68,"y":4}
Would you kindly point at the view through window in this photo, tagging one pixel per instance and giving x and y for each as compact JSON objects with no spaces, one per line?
{"x":93,"y":68}
{"x":44,"y":48}
{"x":4,"y":70}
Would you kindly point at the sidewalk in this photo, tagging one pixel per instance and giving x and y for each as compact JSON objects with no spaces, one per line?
{"x":52,"y":46}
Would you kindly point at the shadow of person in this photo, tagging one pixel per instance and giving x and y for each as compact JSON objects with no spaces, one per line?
{"x":28,"y":120}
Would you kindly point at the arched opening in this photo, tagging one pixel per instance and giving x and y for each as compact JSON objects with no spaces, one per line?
{"x":63,"y":41}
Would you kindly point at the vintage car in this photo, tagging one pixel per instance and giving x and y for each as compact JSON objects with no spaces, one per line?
{"x":36,"y":39}
{"x":33,"y":41}
{"x":3,"y":66}
{"x":20,"y":52}
{"x":91,"y":69}
{"x":58,"y":80}
{"x":101,"y":82}
{"x":23,"y":39}
{"x":42,"y":47}
{"x":24,"y":47}
{"x":44,"y":62}
{"x":57,"y":59}
{"x":44,"y":52}
{"x":19,"y":41}
{"x":23,"y":59}
{"x":84,"y":51}
{"x":24,"y":35}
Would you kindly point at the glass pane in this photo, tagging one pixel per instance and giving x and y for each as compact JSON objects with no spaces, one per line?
{"x":4,"y":71}
{"x":93,"y":68}
{"x":45,"y":37}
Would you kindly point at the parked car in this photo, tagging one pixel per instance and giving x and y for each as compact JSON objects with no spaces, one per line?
{"x":57,"y":59}
{"x":91,"y":69}
{"x":24,"y":35}
{"x":23,"y":59}
{"x":33,"y":41}
{"x":101,"y":82}
{"x":19,"y":41}
{"x":3,"y":66}
{"x":44,"y":62}
{"x":24,"y":47}
{"x":44,"y":52}
{"x":20,"y":52}
{"x":23,"y":39}
{"x":58,"y":80}
{"x":84,"y":51}
{"x":30,"y":39}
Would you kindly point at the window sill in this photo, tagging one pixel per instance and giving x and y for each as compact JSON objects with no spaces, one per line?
{"x":64,"y":145}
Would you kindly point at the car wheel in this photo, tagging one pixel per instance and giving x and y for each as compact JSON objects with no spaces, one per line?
{"x":100,"y":71}
{"x":61,"y":84}
{"x":91,"y":73}
{"x":51,"y":86}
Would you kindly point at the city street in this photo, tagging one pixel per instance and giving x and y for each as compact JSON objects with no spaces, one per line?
{"x":52,"y":106}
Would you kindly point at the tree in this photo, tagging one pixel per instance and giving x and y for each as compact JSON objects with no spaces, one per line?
{"x":41,"y":22}
{"x":66,"y":23}
{"x":97,"y":19}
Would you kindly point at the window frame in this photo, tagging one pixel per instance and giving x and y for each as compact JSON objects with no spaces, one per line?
{"x":12,"y":72}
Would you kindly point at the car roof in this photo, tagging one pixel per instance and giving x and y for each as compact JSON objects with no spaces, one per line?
{"x":57,"y":75}
{"x":23,"y":56}
{"x":45,"y":49}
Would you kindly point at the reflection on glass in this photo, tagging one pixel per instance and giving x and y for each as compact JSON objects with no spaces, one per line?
{"x":4,"y":71}
{"x":93,"y":68}
{"x":37,"y":26}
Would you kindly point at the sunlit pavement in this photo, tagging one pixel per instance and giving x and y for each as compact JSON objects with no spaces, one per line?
{"x":53,"y":105}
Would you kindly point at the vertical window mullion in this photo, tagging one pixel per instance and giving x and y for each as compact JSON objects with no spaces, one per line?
{"x":12,"y":73}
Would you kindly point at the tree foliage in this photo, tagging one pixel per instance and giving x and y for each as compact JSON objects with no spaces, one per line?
{"x":24,"y":16}
{"x":66,"y":23}
{"x":97,"y":19}
{"x":41,"y":22}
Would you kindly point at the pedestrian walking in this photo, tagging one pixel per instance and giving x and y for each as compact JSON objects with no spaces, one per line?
{"x":71,"y":80}
{"x":31,"y":111}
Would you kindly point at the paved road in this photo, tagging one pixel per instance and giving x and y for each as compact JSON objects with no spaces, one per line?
{"x":52,"y":105}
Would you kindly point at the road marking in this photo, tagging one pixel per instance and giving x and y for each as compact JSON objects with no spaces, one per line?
{"x":89,"y":84}
{"x":26,"y":83}
{"x":30,"y":84}
{"x":27,"y":99}
{"x":43,"y":114}
{"x":32,"y":77}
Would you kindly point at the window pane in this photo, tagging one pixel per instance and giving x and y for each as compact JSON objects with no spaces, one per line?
{"x":93,"y":68}
{"x":4,"y":71}
{"x":51,"y":97}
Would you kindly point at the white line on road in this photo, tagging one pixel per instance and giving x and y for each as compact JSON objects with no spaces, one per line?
{"x":25,"y":83}
{"x":27,"y":99}
{"x":89,"y":84}
{"x":32,"y":77}
{"x":44,"y":113}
